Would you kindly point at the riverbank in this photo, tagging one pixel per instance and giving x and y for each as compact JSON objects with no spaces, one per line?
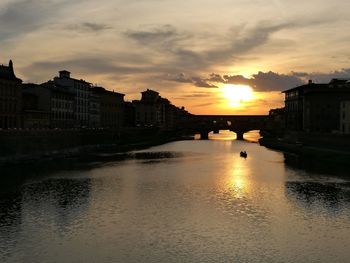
{"x":26,"y":149}
{"x":15,"y":169}
{"x":308,"y":152}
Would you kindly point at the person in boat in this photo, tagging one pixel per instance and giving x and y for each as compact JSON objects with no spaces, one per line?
{"x":244,"y":154}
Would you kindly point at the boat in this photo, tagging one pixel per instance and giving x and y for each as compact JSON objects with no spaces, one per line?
{"x":243,"y":154}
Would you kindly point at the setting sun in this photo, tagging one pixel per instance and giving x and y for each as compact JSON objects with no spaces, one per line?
{"x":237,"y":94}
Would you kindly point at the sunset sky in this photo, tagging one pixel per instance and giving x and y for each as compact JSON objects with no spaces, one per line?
{"x":213,"y":57}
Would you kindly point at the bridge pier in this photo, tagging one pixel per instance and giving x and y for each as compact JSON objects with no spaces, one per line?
{"x":216,"y":131}
{"x":204,"y":136}
{"x":240,"y":135}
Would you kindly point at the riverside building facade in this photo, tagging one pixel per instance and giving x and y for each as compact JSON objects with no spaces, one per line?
{"x":111,"y":107}
{"x":316,"y":107}
{"x":10,"y":98}
{"x":81,"y":90}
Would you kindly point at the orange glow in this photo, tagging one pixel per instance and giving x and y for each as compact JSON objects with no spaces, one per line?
{"x":225,"y":135}
{"x":237,"y":95}
{"x":238,"y":182}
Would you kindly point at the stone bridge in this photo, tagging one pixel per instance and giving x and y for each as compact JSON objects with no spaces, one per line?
{"x":240,"y":124}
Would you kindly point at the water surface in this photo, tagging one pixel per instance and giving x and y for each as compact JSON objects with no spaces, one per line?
{"x":187,"y":201}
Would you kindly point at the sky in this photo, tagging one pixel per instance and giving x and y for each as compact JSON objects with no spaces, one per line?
{"x":210,"y":56}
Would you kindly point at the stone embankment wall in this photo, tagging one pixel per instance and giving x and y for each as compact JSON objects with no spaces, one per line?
{"x":32,"y":142}
{"x":331,"y":141}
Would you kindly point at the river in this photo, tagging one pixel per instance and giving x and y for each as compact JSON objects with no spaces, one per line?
{"x":185,"y":201}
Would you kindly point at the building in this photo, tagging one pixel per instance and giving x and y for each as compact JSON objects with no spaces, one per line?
{"x":81,"y":90}
{"x":94,"y":110}
{"x":10,"y":98}
{"x":33,"y":116}
{"x":129,"y":114}
{"x":295,"y":105}
{"x":316,"y":107}
{"x":154,"y":111}
{"x":150,"y":110}
{"x":276,"y":122}
{"x":111,"y":107}
{"x":55,"y":99}
{"x":345,"y":117}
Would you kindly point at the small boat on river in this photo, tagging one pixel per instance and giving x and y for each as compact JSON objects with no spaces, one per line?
{"x":243,"y":154}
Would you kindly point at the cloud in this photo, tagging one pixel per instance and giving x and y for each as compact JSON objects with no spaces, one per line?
{"x":325,"y":77}
{"x":262,"y":81}
{"x":25,"y":16}
{"x":216,"y":78}
{"x":196,"y":81}
{"x":195,"y":94}
{"x":87,"y":66}
{"x":89,"y":27}
{"x":272,"y":81}
{"x":179,"y":52}
{"x":267,"y":81}
{"x":181,"y":77}
{"x":161,"y":37}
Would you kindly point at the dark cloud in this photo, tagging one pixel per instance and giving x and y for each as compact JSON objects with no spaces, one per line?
{"x":237,"y":79}
{"x":199,"y":82}
{"x":163,"y":37}
{"x":89,"y":27}
{"x":24,"y":16}
{"x":271,"y":81}
{"x":196,"y":81}
{"x":326,"y":77}
{"x":300,"y":74}
{"x":262,"y":81}
{"x":181,"y":77}
{"x":266,"y":81}
{"x":215,"y":78}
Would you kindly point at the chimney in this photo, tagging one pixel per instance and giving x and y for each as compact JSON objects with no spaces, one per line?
{"x":310,"y":81}
{"x":64,"y":74}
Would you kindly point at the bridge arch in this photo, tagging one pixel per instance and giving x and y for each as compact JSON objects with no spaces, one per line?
{"x":240,"y":124}
{"x":240,"y":134}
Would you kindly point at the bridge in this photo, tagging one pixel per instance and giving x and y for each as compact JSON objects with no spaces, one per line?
{"x":240,"y":124}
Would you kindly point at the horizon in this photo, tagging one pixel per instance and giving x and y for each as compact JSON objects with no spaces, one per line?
{"x":238,"y":64}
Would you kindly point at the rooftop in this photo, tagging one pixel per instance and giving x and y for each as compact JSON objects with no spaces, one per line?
{"x":309,"y":85}
{"x":103,"y":90}
{"x":7,"y":72}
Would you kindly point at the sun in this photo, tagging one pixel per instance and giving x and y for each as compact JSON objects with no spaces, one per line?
{"x":236,"y":95}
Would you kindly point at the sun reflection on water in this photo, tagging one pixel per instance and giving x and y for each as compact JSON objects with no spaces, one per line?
{"x":238,"y":179}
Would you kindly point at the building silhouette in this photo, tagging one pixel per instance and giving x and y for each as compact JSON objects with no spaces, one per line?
{"x":10,"y":98}
{"x":107,"y":107}
{"x":155,"y":111}
{"x":81,"y":90}
{"x":36,"y":113}
{"x":317,"y":107}
{"x":53,"y":98}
